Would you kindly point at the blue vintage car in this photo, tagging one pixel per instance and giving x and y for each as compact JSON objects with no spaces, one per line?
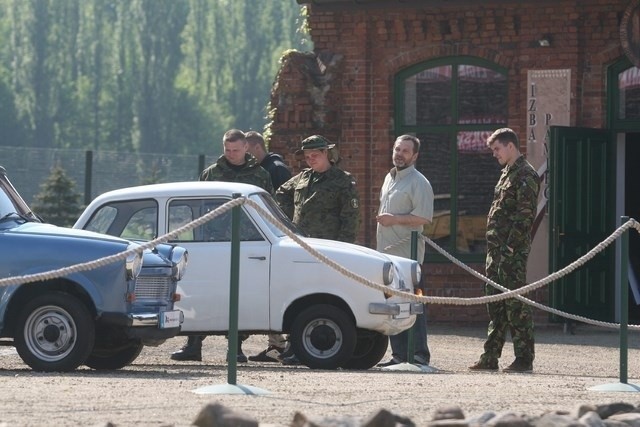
{"x":101,"y":317}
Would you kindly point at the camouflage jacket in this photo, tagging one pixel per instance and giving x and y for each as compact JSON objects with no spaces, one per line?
{"x":514,"y":208}
{"x":324,"y":205}
{"x":250,"y":173}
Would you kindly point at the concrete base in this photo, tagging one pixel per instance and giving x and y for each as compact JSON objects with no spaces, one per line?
{"x":616,"y":387}
{"x":230,"y":389}
{"x":411,"y":367}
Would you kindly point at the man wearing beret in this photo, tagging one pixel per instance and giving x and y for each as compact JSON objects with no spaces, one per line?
{"x":322,"y":200}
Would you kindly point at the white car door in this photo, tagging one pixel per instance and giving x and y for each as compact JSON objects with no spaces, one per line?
{"x":205,"y":287}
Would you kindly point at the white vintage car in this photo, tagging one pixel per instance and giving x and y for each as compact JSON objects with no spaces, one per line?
{"x":333,"y":321}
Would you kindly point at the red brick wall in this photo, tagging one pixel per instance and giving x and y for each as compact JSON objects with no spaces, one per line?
{"x":344,"y":90}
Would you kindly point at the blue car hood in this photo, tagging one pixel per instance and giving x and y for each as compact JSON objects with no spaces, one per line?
{"x":53,"y":230}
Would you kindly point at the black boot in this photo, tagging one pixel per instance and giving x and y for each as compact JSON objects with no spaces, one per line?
{"x":192,"y":349}
{"x":240,"y":356}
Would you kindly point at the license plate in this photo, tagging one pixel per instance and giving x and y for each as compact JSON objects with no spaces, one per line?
{"x":170,"y":319}
{"x":405,"y":310}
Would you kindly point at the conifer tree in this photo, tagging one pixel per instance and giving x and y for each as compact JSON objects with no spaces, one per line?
{"x":58,"y":203}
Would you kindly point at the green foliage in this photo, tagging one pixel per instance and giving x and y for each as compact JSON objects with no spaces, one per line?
{"x":164,"y":76}
{"x":57,"y":202}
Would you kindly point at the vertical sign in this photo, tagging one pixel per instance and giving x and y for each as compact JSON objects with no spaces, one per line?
{"x":548,"y":104}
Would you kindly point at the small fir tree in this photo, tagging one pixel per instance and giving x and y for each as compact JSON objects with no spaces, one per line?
{"x":58,"y":203}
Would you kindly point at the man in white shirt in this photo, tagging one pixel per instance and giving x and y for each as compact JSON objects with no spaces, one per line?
{"x":406,"y":205}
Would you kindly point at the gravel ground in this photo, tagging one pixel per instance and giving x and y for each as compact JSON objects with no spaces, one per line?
{"x":155,"y":391}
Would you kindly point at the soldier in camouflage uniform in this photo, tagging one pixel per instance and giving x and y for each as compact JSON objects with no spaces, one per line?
{"x":322,"y":200}
{"x":508,"y":244}
{"x":235,"y":165}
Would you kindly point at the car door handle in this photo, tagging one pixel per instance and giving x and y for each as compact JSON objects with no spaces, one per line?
{"x":261,"y":258}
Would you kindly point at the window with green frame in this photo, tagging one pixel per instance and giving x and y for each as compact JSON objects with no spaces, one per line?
{"x":452,"y":105}
{"x":624,"y":111}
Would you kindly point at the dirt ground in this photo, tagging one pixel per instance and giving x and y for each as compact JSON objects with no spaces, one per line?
{"x":155,"y":391}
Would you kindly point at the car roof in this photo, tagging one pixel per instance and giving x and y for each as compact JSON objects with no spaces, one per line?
{"x":187,"y":188}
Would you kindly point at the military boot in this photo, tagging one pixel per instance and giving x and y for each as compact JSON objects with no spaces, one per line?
{"x":240,"y":356}
{"x":191,"y":351}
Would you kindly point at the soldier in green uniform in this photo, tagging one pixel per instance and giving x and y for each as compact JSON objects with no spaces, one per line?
{"x":509,"y":226}
{"x":322,"y":200}
{"x":235,"y":165}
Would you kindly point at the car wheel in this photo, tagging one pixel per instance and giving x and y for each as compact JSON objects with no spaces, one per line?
{"x":323,"y":337}
{"x":54,"y":332}
{"x":109,"y":359}
{"x":371,"y":347}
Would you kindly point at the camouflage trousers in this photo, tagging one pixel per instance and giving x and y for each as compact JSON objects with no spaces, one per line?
{"x":510,"y":314}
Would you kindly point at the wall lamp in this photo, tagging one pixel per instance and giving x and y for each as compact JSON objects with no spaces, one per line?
{"x":545,"y":40}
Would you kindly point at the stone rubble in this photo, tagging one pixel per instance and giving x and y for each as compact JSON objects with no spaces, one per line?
{"x":606,"y":415}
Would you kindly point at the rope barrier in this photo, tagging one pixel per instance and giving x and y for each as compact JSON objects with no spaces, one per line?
{"x":90,"y":265}
{"x":506,"y":293}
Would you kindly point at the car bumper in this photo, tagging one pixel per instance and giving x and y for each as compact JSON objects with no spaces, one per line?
{"x":151,"y":328}
{"x":163,"y":320}
{"x":396,"y":309}
{"x":400,"y":316}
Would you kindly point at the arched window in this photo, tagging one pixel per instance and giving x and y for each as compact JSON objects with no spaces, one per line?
{"x":452,"y":105}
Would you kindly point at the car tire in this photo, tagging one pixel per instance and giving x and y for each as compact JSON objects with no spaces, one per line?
{"x":111,"y":359}
{"x":54,"y":332}
{"x":323,"y":337}
{"x":371,"y":346}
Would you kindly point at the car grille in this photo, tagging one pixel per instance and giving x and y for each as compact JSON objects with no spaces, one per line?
{"x":153,"y":287}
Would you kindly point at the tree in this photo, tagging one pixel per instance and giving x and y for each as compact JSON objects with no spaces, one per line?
{"x":168,"y":76}
{"x":57,"y":202}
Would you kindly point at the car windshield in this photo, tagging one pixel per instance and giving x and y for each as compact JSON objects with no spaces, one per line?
{"x":267,"y":202}
{"x":11,"y":204}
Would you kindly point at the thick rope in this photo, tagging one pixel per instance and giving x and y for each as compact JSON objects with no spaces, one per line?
{"x":516,"y":293}
{"x":90,"y":265}
{"x":506,"y":293}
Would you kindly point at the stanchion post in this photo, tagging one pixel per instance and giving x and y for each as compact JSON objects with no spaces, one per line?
{"x":624,"y":300}
{"x":232,"y":338}
{"x":234,"y":285}
{"x":410,"y":336}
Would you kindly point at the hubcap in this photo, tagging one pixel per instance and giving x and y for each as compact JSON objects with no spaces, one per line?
{"x":322,"y":338}
{"x":50,"y":333}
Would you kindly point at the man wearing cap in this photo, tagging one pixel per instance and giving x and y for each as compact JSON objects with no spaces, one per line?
{"x":322,"y":200}
{"x":235,"y":165}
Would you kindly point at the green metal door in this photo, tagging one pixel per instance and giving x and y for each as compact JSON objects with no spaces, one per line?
{"x":581,"y":215}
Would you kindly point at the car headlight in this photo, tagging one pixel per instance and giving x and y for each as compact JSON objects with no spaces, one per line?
{"x":416,"y":274}
{"x":179,"y":257}
{"x":388,"y":273}
{"x":133,"y":263}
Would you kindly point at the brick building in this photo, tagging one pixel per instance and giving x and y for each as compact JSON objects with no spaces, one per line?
{"x":561,"y":73}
